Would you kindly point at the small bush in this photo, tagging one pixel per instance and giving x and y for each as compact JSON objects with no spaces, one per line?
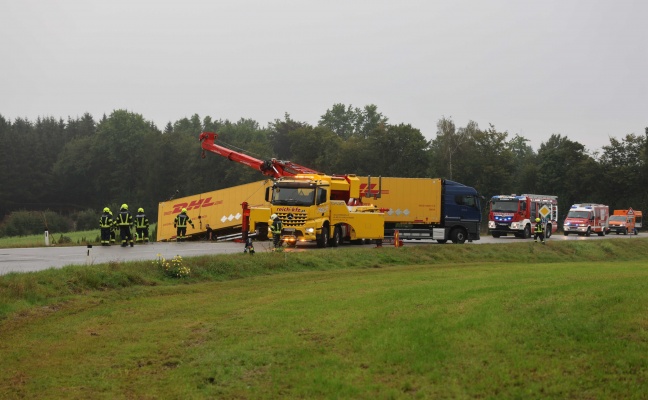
{"x":174,"y":268}
{"x":86,"y":220}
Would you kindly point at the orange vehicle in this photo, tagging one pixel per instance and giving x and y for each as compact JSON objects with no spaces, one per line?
{"x":624,"y":221}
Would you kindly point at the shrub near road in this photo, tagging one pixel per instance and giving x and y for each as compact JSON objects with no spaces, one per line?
{"x":565,"y":320}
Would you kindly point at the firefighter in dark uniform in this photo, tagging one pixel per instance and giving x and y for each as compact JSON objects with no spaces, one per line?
{"x":141,"y":227}
{"x":275,"y":228}
{"x":106,"y":225}
{"x":539,"y":231}
{"x":113,"y":228}
{"x":180,"y":223}
{"x":125,"y":222}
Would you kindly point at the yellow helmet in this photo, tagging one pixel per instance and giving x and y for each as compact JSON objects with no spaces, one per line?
{"x":106,"y":209}
{"x":124,"y":206}
{"x":140,"y":210}
{"x":184,"y":210}
{"x":537,"y":219}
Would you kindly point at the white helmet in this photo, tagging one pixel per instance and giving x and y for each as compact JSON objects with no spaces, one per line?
{"x":273,"y":216}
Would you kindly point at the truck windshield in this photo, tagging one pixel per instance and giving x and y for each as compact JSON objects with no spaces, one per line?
{"x":578,"y":214}
{"x":294,"y":196}
{"x":504,"y":205}
{"x":619,"y":218}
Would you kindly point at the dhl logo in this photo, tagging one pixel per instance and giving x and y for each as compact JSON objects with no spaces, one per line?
{"x":177,"y":208}
{"x":373,"y":190}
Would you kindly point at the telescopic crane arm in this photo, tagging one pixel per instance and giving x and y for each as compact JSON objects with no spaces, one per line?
{"x":273,"y":168}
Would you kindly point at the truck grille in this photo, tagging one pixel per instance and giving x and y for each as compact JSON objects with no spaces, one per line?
{"x":292,"y":219}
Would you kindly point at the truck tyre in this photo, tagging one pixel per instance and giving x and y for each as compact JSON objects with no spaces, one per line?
{"x":442,"y":241}
{"x":496,"y":235}
{"x":548,"y":230}
{"x":527,"y":232}
{"x":566,"y":233}
{"x":625,"y":231}
{"x":322,"y":240}
{"x":337,"y":237}
{"x":458,"y":236}
{"x":602,"y":233}
{"x":589,"y":232}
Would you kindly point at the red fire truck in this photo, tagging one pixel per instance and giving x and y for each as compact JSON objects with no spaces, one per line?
{"x":587,"y":218}
{"x":516,"y":214}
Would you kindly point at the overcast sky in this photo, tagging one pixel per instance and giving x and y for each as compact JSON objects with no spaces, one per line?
{"x":576,"y":68}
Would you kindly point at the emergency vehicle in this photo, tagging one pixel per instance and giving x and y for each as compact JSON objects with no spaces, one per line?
{"x":516,"y":214}
{"x":586,"y":218}
{"x":624,"y":221}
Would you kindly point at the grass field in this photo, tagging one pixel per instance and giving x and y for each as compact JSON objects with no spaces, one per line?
{"x":510,"y":321}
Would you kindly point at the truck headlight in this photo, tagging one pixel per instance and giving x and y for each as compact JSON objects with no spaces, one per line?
{"x":310,"y":230}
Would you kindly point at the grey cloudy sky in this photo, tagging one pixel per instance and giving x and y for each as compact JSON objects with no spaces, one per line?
{"x":577,"y":68}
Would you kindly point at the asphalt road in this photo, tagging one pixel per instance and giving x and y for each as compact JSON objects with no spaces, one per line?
{"x":40,"y":258}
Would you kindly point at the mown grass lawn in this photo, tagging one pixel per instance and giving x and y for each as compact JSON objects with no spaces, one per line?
{"x":389,"y":329}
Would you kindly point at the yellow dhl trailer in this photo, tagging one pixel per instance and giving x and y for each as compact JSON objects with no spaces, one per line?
{"x":220,"y":209}
{"x":425,"y":208}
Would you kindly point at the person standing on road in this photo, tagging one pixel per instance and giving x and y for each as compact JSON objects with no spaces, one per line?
{"x":141,"y":226}
{"x":113,"y":228}
{"x":539,"y":231}
{"x":125,"y":222}
{"x":106,"y":225}
{"x":275,"y":228}
{"x":180,"y":223}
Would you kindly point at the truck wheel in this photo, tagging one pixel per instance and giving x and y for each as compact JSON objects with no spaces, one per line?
{"x":322,"y":240}
{"x":625,"y":231}
{"x":527,"y":232}
{"x":589,"y":232}
{"x":458,"y":236}
{"x":337,"y":237}
{"x":442,"y":241}
{"x":602,"y":233}
{"x":496,"y":234}
{"x":566,"y":233}
{"x":548,"y":235}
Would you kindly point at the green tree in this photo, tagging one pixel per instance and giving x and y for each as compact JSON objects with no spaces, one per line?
{"x":566,"y":170}
{"x":623,"y":163}
{"x":347,"y":121}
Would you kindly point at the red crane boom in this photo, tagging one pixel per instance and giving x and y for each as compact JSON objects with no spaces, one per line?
{"x":273,"y":167}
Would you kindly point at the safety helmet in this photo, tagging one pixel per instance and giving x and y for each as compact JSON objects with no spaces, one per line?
{"x":140,"y":210}
{"x":106,"y":209}
{"x":184,"y":210}
{"x":273,"y":216}
{"x":537,"y":219}
{"x":124,"y":206}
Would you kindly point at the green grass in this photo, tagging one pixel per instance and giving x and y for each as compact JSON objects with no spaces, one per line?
{"x":565,"y":320}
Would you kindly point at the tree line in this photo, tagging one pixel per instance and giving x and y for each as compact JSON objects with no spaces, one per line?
{"x":78,"y":164}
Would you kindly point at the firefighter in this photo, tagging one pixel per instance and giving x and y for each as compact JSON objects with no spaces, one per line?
{"x":275,"y":228}
{"x":125,"y":222}
{"x":539,"y":231}
{"x":141,"y":227}
{"x":249,"y":246}
{"x":106,"y":225}
{"x":180,"y":223}
{"x":113,"y":228}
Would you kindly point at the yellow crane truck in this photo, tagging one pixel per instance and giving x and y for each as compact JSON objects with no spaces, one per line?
{"x":313,"y":206}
